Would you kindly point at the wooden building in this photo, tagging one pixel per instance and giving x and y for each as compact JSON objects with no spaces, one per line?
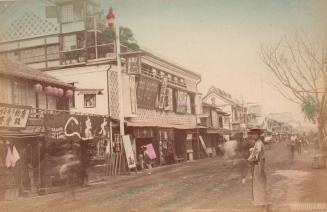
{"x":26,"y":96}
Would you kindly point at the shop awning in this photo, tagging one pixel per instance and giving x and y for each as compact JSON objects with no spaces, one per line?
{"x":18,"y":135}
{"x":89,"y":91}
{"x":217,"y":131}
{"x":161,"y":125}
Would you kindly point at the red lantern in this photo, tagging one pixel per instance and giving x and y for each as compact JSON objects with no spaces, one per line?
{"x":60,"y":92}
{"x":110,"y":18}
{"x":69,"y":93}
{"x":38,"y":88}
{"x":49,"y":90}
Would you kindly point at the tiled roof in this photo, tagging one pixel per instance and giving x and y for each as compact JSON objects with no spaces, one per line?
{"x":14,"y":69}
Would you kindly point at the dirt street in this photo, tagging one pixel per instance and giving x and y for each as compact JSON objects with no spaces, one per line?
{"x":213,"y":184}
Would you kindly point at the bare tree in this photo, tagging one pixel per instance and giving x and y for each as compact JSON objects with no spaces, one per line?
{"x":298,"y":67}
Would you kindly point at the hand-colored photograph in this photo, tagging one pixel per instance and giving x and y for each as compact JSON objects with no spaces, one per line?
{"x":163,"y":105}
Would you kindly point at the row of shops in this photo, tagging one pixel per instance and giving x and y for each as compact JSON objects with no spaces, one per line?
{"x":39,"y":162}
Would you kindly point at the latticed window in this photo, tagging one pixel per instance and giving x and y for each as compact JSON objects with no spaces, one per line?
{"x":67,"y":13}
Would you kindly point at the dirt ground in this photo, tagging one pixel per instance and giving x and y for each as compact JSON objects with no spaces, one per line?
{"x":212,"y":184}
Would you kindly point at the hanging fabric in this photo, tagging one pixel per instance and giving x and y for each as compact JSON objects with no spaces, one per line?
{"x":9,"y":157}
{"x":15,"y":156}
{"x":181,"y":98}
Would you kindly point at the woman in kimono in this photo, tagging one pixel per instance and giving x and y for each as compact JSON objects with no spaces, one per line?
{"x":257,"y":161}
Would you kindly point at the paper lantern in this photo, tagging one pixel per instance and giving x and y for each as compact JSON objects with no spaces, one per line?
{"x":49,"y":90}
{"x":110,"y":18}
{"x":38,"y":88}
{"x":55,"y":91}
{"x":69,"y":93}
{"x":60,"y":92}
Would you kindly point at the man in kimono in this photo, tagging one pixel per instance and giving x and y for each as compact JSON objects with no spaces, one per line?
{"x":257,"y":161}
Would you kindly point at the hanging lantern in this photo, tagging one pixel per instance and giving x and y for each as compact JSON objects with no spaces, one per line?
{"x":110,"y":18}
{"x":69,"y":93}
{"x":38,"y":88}
{"x":60,"y":92}
{"x":49,"y":90}
{"x":55,"y":91}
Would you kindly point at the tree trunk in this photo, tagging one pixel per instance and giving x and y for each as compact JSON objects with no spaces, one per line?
{"x":321,"y":129}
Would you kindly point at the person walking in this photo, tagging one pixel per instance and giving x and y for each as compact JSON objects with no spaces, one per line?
{"x":290,"y":142}
{"x":259,"y":180}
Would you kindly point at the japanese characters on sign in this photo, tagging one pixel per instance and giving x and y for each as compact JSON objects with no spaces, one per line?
{"x":146,"y":92}
{"x":133,"y":65}
{"x":13,"y":116}
{"x":163,"y":91}
{"x":129,"y":151}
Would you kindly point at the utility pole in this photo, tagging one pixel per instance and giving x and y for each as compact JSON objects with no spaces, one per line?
{"x":111,"y":17}
{"x":120,"y":84}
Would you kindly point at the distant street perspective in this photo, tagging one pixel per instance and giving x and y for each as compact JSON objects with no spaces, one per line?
{"x":158,"y":105}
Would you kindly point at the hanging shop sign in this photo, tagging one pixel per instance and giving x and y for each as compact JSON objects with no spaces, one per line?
{"x":147,"y":92}
{"x":129,"y":152}
{"x":133,"y":65}
{"x":93,"y":131}
{"x":132,"y":89}
{"x":13,"y":116}
{"x":163,"y":91}
{"x":64,"y":126}
{"x":169,"y":99}
{"x":181,"y":101}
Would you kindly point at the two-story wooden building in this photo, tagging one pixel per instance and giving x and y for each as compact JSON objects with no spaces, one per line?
{"x":25,"y":96}
{"x":238,"y":112}
{"x":161,"y":105}
{"x":217,"y":124}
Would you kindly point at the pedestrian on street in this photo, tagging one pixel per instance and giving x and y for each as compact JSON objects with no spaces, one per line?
{"x":299,"y":145}
{"x":259,"y":180}
{"x":290,"y":142}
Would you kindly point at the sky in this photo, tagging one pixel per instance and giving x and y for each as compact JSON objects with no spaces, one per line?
{"x":220,"y":39}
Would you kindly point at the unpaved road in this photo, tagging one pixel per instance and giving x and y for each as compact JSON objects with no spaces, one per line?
{"x":212,"y":184}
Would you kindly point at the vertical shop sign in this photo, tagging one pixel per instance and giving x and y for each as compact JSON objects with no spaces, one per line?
{"x":132,"y":90}
{"x":163,"y":91}
{"x":129,"y":151}
{"x":133,"y":65}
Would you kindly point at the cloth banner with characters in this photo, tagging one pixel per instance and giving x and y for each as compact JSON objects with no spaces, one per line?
{"x":93,"y":130}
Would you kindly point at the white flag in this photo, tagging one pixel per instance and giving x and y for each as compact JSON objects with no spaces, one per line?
{"x":15,"y":156}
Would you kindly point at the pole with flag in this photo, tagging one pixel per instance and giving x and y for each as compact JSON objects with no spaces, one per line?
{"x":112,"y":25}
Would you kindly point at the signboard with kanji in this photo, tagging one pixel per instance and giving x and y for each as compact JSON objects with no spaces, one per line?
{"x":129,"y":152}
{"x":162,"y":93}
{"x":13,"y":116}
{"x":133,"y":65}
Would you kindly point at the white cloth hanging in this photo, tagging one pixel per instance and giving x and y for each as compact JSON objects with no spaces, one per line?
{"x":15,"y":156}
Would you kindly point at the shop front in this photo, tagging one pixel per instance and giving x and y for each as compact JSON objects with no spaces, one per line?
{"x":170,"y":143}
{"x":19,"y":152}
{"x":75,"y":144}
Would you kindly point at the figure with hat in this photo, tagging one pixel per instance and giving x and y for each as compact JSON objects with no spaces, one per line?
{"x":257,"y":161}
